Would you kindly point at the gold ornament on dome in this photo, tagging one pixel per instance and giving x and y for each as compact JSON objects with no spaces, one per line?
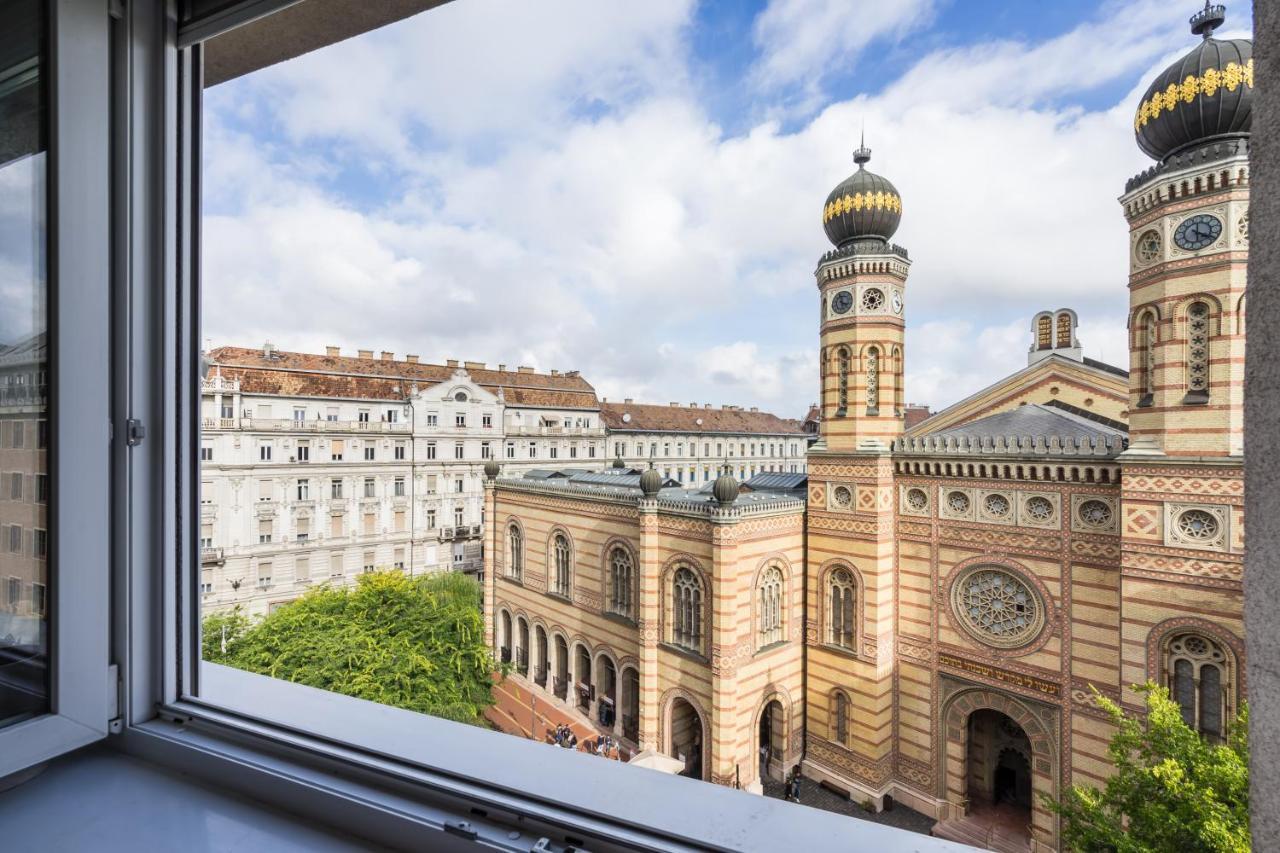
{"x":858,"y":201}
{"x":1231,"y":77}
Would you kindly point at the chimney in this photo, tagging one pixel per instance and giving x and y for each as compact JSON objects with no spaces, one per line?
{"x":452,"y":362}
{"x":388,"y":356}
{"x":523,"y":369}
{"x":411,"y":359}
{"x":675,"y":405}
{"x":706,"y":405}
{"x":365,"y":353}
{"x":754,"y":409}
{"x":502,"y":368}
{"x":332,"y":351}
{"x":693,"y":405}
{"x":473,"y":365}
{"x":268,"y":349}
{"x":627,"y":400}
{"x":555,"y":373}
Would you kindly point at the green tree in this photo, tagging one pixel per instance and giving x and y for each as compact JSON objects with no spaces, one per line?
{"x":412,"y":642}
{"x":221,"y":634}
{"x":1171,"y":790}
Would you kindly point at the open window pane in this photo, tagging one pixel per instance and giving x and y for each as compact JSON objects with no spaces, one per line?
{"x":24,"y":427}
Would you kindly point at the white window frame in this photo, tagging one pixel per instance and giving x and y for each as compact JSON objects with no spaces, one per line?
{"x":79,"y":215}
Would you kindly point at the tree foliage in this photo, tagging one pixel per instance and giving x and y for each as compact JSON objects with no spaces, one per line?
{"x":411,"y":642}
{"x":1171,"y":790}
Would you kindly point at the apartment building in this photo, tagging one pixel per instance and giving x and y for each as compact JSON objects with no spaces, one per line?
{"x":692,"y":444}
{"x":319,"y":468}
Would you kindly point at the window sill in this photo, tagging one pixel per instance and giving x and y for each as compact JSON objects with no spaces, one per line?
{"x":842,"y":650}
{"x":689,"y":654}
{"x":772,"y":647}
{"x":619,"y":618}
{"x":400,"y":777}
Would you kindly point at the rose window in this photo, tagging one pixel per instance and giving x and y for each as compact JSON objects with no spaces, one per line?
{"x":958,"y":501}
{"x":1198,"y":524}
{"x":1040,"y":509}
{"x":917,"y":499}
{"x":872,"y":299}
{"x":1095,"y":513}
{"x":997,"y":607}
{"x":842,"y":496}
{"x":997,"y":505}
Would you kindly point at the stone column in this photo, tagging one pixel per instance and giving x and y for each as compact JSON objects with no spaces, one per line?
{"x":647,"y":621}
{"x":490,"y":556}
{"x":722,"y":612}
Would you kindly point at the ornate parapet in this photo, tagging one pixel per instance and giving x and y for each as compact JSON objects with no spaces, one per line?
{"x":1012,"y":445}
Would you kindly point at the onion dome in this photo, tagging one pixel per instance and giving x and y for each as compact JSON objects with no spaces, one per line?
{"x":1205,"y":96}
{"x":491,"y":469}
{"x":863,"y":206}
{"x":650,"y":482}
{"x":618,"y":463}
{"x":725,"y":488}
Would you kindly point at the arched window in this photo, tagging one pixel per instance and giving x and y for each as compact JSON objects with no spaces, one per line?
{"x":1148,"y":343}
{"x":897,"y":381}
{"x":1044,"y":332}
{"x":771,"y":606}
{"x":1198,"y":673}
{"x":873,"y":380}
{"x":562,"y":557}
{"x":1064,"y":330}
{"x":686,"y":610}
{"x":620,"y":580}
{"x":841,"y":595}
{"x":840,"y":731}
{"x":515,"y":557}
{"x":1198,"y":341}
{"x":504,"y":641}
{"x":842,"y":356}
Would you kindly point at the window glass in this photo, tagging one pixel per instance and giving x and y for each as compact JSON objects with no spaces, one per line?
{"x":25,"y":557}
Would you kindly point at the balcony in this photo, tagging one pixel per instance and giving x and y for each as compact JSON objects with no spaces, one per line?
{"x":554,"y":432}
{"x":211,"y":557}
{"x":288,"y":425}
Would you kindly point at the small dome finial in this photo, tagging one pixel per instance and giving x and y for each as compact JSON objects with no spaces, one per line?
{"x":862,"y":154}
{"x":1208,"y":19}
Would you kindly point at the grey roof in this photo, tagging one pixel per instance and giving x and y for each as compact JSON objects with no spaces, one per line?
{"x":622,"y":477}
{"x":1102,"y":365}
{"x":776,"y":481}
{"x":1035,"y":421}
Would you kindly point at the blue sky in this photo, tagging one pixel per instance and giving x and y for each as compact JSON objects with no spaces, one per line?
{"x":633,"y":190}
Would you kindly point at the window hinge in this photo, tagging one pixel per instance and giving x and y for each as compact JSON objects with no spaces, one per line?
{"x":134,"y":432}
{"x":114,"y":687}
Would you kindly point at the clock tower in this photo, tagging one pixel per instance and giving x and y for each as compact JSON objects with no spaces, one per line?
{"x":850,"y":518}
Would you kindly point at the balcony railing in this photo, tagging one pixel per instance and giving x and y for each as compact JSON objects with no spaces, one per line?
{"x":309,"y":426}
{"x":560,"y":687}
{"x":557,"y":432}
{"x":209,"y":556}
{"x":540,"y":676}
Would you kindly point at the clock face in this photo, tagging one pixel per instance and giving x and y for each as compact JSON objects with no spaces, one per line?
{"x":1197,"y":232}
{"x":1149,"y":246}
{"x":841,"y":302}
{"x":897,"y":302}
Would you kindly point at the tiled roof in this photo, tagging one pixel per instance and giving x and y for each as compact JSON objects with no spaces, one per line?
{"x":1107,"y":368}
{"x":1035,"y":421}
{"x":914,"y":415}
{"x":647,"y":417}
{"x":307,"y":375}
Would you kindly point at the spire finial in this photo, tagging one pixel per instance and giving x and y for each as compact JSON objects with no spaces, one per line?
{"x":862,"y":154}
{"x":1208,"y":19}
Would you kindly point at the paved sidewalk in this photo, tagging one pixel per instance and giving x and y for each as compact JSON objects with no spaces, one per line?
{"x":815,"y":796}
{"x":530,"y":713}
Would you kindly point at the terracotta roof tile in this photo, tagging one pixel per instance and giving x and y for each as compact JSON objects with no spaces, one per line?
{"x":308,"y":375}
{"x":646,"y":417}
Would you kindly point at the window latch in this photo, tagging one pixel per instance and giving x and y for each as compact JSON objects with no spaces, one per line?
{"x":134,"y":432}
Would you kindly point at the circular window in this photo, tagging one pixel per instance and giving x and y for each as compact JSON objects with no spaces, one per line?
{"x":872,"y":299}
{"x":997,"y":607}
{"x":1095,"y":513}
{"x":1198,"y":525}
{"x":842,"y":496}
{"x":958,"y":502}
{"x":1040,"y":509}
{"x":997,"y":505}
{"x":1149,"y":247}
{"x":917,"y":500}
{"x":460,"y":397}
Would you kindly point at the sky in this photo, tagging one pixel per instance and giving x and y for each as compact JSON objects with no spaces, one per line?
{"x":634,"y":190}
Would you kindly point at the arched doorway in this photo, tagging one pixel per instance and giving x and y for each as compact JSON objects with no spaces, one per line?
{"x":631,"y":704}
{"x":522,"y":646}
{"x":606,"y":692}
{"x":686,"y":737}
{"x":506,"y":637}
{"x":540,"y":656}
{"x":585,"y":691}
{"x":771,"y":743}
{"x":560,"y":685}
{"x":998,"y":771}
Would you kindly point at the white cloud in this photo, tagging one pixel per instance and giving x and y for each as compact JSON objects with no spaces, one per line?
{"x":802,"y":41}
{"x":640,"y":244}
